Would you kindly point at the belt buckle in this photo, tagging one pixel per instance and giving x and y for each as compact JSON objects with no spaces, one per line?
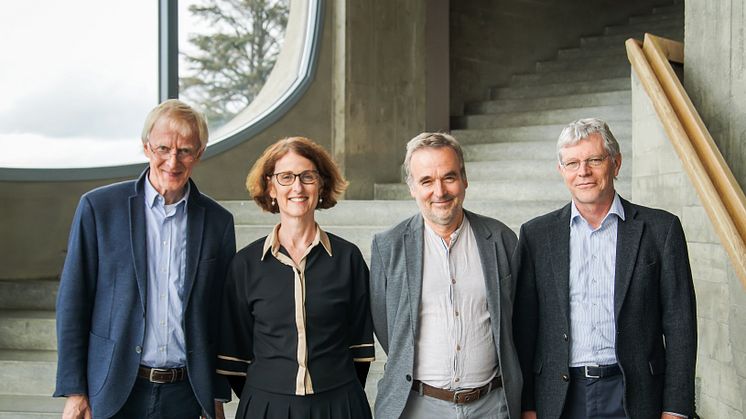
{"x":588,"y":375}
{"x":466,"y":394}
{"x":161,"y":370}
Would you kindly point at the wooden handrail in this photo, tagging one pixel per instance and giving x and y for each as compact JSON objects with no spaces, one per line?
{"x":719,"y":192}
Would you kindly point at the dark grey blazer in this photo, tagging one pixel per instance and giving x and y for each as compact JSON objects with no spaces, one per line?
{"x":396,"y":286}
{"x":102,"y":296}
{"x":654,"y":308}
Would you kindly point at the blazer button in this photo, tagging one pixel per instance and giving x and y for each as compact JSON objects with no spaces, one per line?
{"x":408,"y":377}
{"x":565,"y":378}
{"x":564,"y":337}
{"x":138,"y":349}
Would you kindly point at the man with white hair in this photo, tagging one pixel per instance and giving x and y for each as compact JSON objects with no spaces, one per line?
{"x":604,"y":321}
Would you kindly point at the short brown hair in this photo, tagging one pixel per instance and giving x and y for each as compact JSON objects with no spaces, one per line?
{"x":332,"y":181}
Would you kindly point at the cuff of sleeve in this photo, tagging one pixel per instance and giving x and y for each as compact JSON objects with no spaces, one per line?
{"x":364,"y":352}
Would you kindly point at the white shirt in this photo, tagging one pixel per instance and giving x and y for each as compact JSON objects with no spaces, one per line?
{"x":454,"y":347}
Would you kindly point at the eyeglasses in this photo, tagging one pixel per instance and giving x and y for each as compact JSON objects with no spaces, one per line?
{"x":182,"y":154}
{"x":307,"y":177}
{"x":574,"y":165}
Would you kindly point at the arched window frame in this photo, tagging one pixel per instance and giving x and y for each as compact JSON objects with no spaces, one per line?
{"x":168,"y":53}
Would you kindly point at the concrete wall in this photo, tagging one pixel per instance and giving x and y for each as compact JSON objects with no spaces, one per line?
{"x":385,"y":104}
{"x":491,"y":40}
{"x":658,"y":180}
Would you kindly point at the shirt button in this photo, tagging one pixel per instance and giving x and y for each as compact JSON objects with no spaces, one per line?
{"x":565,"y":378}
{"x":458,"y":347}
{"x":453,"y":280}
{"x":456,"y":313}
{"x":138,"y":349}
{"x":457,"y":379}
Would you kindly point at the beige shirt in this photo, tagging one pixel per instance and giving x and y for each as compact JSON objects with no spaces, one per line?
{"x":454,"y":348}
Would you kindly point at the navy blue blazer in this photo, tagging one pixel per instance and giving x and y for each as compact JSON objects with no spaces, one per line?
{"x":102,"y":297}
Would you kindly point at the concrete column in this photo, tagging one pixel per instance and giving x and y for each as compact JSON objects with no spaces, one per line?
{"x":390,"y":75}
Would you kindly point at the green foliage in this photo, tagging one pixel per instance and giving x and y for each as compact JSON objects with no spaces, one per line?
{"x":233,"y":59}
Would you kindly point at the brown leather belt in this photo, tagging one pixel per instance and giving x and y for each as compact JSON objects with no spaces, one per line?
{"x":457,"y":396}
{"x":162,"y":375}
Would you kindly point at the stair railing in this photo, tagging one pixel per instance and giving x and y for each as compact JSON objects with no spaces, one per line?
{"x":718,"y":190}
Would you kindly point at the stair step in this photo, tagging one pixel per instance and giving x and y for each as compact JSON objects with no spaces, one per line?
{"x":542,"y":150}
{"x":28,"y":294}
{"x":674,"y":8}
{"x":618,"y":97}
{"x":676,"y":33}
{"x":590,"y":52}
{"x":504,"y":192}
{"x":511,"y":169}
{"x":677,"y":14}
{"x":510,"y":134}
{"x":648,"y":26}
{"x":552,"y":116}
{"x":557,"y":77}
{"x":30,"y":407}
{"x":560,"y":88}
{"x":585,"y":63}
{"x":27,"y":372}
{"x":27,"y":329}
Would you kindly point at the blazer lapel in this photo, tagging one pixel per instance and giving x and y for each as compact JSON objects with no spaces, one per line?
{"x":488,"y":255}
{"x":559,"y":247}
{"x":138,"y":240}
{"x":195,"y":228}
{"x":413,"y":246}
{"x":629,"y":233}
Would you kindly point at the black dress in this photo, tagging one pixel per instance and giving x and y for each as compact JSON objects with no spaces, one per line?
{"x":295,"y":331}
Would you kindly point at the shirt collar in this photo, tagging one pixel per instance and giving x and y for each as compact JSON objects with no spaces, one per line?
{"x":272,"y":242}
{"x":616,"y":208}
{"x":456,"y":233}
{"x":151,"y":195}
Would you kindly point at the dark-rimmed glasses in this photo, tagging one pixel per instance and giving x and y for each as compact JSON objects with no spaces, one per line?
{"x":307,"y":177}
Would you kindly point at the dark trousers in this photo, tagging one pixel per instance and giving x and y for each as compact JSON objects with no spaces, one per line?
{"x":595,"y":398}
{"x":160,"y":401}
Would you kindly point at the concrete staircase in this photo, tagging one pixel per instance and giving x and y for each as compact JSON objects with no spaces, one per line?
{"x":28,"y":357}
{"x":509,"y":147}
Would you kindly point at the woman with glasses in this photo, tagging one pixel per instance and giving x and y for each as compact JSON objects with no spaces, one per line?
{"x":296,"y":332}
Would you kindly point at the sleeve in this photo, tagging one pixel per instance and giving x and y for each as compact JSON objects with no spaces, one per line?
{"x":235,"y":350}
{"x":679,"y":320}
{"x":75,"y":302}
{"x":525,"y":317}
{"x":361,"y":323}
{"x":378,"y":296}
{"x":227,"y":252}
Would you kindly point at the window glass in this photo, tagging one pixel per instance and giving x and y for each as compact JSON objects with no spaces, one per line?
{"x":227,"y":50}
{"x":77,"y":79}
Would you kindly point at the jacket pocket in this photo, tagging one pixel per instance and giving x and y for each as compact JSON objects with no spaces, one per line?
{"x":100,"y":354}
{"x":657,"y":366}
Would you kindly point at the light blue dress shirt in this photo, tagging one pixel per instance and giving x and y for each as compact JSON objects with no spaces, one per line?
{"x":164,"y":345}
{"x":592,"y":270}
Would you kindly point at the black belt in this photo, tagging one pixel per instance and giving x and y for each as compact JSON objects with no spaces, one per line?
{"x":162,"y":375}
{"x":457,"y":396}
{"x":595,"y":371}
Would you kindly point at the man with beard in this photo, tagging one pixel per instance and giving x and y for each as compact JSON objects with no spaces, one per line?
{"x":441,"y":298}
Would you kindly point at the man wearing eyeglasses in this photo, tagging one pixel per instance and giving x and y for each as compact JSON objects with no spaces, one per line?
{"x":137,"y":309}
{"x":604,"y":320}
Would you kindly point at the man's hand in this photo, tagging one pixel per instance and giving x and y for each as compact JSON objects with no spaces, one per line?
{"x":528,"y":414}
{"x":77,"y":407}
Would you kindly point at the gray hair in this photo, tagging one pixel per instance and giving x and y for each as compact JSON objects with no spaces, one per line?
{"x":583,"y":128}
{"x":432,"y":140}
{"x":182,"y":117}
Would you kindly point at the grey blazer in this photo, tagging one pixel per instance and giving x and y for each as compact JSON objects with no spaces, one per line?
{"x":654,"y":309}
{"x":396,"y":286}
